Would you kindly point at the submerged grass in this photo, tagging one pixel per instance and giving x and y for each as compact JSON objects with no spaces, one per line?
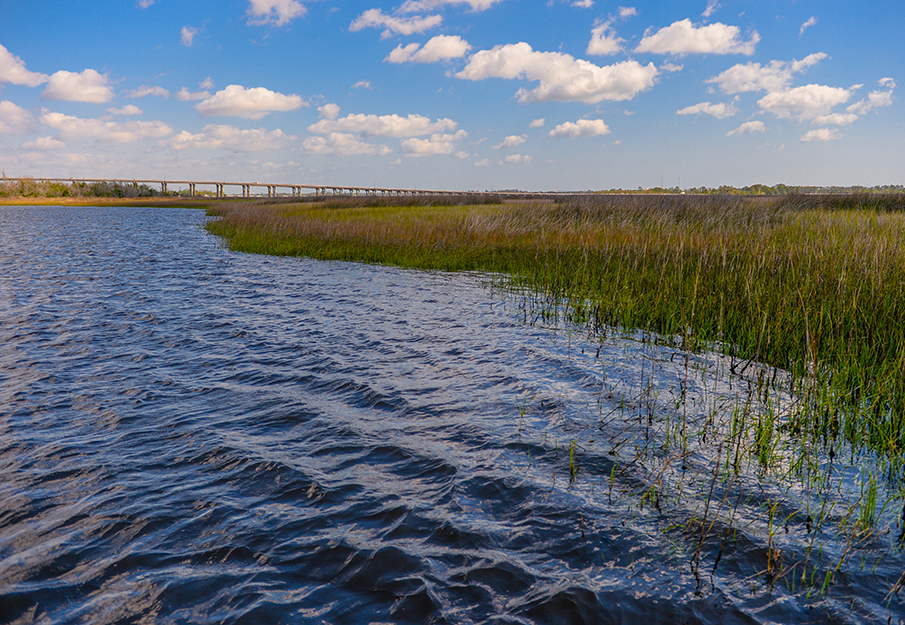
{"x":814,"y":285}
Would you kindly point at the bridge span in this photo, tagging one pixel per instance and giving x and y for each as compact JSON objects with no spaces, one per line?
{"x":244,"y":189}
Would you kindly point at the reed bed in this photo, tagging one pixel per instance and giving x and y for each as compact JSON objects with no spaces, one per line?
{"x":802,"y":296}
{"x":814,"y":285}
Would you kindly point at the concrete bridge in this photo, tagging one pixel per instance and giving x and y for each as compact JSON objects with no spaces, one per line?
{"x":244,"y":189}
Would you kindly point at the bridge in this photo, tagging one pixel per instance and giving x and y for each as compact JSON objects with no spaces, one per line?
{"x":244,"y":189}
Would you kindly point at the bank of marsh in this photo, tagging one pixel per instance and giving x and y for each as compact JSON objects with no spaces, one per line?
{"x":805,"y":295}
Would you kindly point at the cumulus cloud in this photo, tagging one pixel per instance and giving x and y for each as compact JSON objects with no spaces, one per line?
{"x":747,"y":128}
{"x":147,"y":90}
{"x":835,"y":119}
{"x":683,"y":37}
{"x":720,"y":110}
{"x":822,"y":134}
{"x":14,"y":120}
{"x":811,"y":21}
{"x":44,"y":143}
{"x":561,"y":77}
{"x":805,"y":102}
{"x":217,"y":136}
{"x":328,"y":111}
{"x":773,"y":76}
{"x":70,"y":128}
{"x":252,"y":103}
{"x":276,"y":12}
{"x":87,"y":86}
{"x":438,"y":143}
{"x":511,"y":141}
{"x":12,"y":70}
{"x":187,"y":35}
{"x":875,"y":99}
{"x":383,"y":125}
{"x":581,"y":128}
{"x":192,"y":96}
{"x":342,"y":144}
{"x":129,"y":109}
{"x":362,"y":84}
{"x":375,"y":18}
{"x":583,"y":4}
{"x":537,"y":123}
{"x":627,"y":11}
{"x":516,"y":159}
{"x":419,"y":6}
{"x":440,"y":48}
{"x":604,"y":40}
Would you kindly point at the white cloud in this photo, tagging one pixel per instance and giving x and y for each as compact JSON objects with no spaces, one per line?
{"x":14,"y":120}
{"x":383,"y":125}
{"x":419,"y":6}
{"x":328,"y":111}
{"x":747,"y":128}
{"x":252,"y":103}
{"x":375,"y":18}
{"x":683,"y":37}
{"x":835,"y":119}
{"x":484,"y":162}
{"x":581,"y":128}
{"x":144,"y":4}
{"x":462,"y":155}
{"x":362,"y":84}
{"x":88,"y":86}
{"x":146,"y":90}
{"x":720,"y":110}
{"x":129,"y":109}
{"x":72,"y":128}
{"x":774,"y":76}
{"x":189,"y":96}
{"x":187,"y":35}
{"x":276,"y":12}
{"x":627,"y":12}
{"x":583,"y":4}
{"x":805,"y":102}
{"x":671,"y":67}
{"x":887,"y":82}
{"x":712,"y":6}
{"x":437,"y":143}
{"x":342,"y":144}
{"x":875,"y":99}
{"x":822,"y":134}
{"x":562,"y":77}
{"x":207,"y":83}
{"x":516,"y":159}
{"x":440,"y":48}
{"x":537,"y":123}
{"x":604,"y":40}
{"x":811,"y":21}
{"x":44,"y":143}
{"x":12,"y":70}
{"x":511,"y":141}
{"x":217,"y":136}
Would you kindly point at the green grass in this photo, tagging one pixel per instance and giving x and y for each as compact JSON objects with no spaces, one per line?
{"x":814,"y":285}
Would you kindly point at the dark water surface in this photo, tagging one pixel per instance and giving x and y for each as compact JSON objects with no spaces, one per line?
{"x":189,"y":435}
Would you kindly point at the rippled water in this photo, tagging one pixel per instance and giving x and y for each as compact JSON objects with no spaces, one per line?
{"x":193,"y":435}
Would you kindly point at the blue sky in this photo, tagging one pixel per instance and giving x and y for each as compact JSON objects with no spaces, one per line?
{"x":455,"y":94}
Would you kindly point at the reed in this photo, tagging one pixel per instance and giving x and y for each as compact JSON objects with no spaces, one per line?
{"x":814,"y":285}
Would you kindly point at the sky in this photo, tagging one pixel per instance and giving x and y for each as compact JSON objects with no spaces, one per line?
{"x":564,"y":95}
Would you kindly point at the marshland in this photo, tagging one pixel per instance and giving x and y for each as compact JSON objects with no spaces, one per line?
{"x":786,"y":311}
{"x":607,"y":408}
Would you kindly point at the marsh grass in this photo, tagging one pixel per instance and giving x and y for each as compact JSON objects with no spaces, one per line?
{"x":793,"y":305}
{"x":812,"y":285}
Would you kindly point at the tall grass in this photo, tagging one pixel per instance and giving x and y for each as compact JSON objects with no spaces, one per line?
{"x":814,"y":285}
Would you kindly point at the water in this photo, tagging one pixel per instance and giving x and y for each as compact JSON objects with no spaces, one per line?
{"x":190,"y":435}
